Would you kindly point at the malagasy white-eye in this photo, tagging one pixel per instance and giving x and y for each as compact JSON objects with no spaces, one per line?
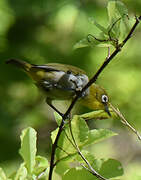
{"x":62,"y":82}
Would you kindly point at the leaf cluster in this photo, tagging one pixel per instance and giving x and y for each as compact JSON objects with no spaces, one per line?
{"x":68,"y":162}
{"x":116,"y":30}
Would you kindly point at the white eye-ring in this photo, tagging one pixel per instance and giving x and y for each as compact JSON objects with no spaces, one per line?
{"x":104,"y":98}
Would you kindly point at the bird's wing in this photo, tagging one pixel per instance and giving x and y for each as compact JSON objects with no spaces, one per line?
{"x":60,"y":67}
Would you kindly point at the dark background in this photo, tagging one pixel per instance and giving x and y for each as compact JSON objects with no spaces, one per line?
{"x":45,"y":31}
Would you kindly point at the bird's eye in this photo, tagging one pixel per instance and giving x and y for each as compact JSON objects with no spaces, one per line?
{"x":104,"y":98}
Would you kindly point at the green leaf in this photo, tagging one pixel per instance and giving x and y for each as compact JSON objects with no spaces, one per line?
{"x":41,"y":165}
{"x":100,"y":27}
{"x":95,"y":163}
{"x":28,"y":147}
{"x":99,"y":114}
{"x":78,"y":174}
{"x":80,"y":132}
{"x":82,"y":135}
{"x":58,"y":118}
{"x":125,"y":26}
{"x":111,"y":168}
{"x":63,"y":166}
{"x":82,"y":43}
{"x":121,"y":8}
{"x":97,"y":135}
{"x":21,"y":173}
{"x":65,"y":148}
{"x":116,"y":10}
{"x":105,"y":45}
{"x":91,"y":41}
{"x":2,"y":175}
{"x":89,"y":156}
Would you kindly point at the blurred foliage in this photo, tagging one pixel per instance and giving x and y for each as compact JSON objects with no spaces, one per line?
{"x":45,"y":31}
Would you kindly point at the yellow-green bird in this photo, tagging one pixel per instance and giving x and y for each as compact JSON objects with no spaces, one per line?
{"x":62,"y":82}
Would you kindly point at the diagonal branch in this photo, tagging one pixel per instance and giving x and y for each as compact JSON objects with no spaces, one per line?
{"x":124,"y":121}
{"x":91,"y":81}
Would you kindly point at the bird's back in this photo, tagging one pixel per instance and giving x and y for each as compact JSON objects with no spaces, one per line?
{"x":60,"y":67}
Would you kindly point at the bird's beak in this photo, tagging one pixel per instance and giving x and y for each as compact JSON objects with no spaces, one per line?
{"x":107,"y":109}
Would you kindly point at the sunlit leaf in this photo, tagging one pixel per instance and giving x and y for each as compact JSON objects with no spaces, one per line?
{"x":105,"y":45}
{"x":21,"y":173}
{"x":80,"y":130}
{"x":2,"y":175}
{"x":41,"y":165}
{"x":98,"y":135}
{"x":63,"y":166}
{"x":28,"y":148}
{"x":99,"y":114}
{"x":58,"y":118}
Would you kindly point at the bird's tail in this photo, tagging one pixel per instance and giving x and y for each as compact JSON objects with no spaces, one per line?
{"x":19,"y":63}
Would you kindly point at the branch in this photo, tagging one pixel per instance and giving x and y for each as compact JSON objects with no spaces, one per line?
{"x":79,"y":94}
{"x":54,"y":146}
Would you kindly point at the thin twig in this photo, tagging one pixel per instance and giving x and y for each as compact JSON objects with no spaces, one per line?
{"x":99,"y":40}
{"x":41,"y":174}
{"x":86,"y":168}
{"x":109,"y":34}
{"x":125,"y":122}
{"x":54,"y":146}
{"x":91,"y":169}
{"x":79,"y":94}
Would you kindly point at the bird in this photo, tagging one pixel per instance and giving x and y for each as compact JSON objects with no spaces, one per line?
{"x":63,"y":82}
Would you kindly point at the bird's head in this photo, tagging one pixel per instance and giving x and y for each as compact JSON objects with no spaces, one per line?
{"x":97,"y":99}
